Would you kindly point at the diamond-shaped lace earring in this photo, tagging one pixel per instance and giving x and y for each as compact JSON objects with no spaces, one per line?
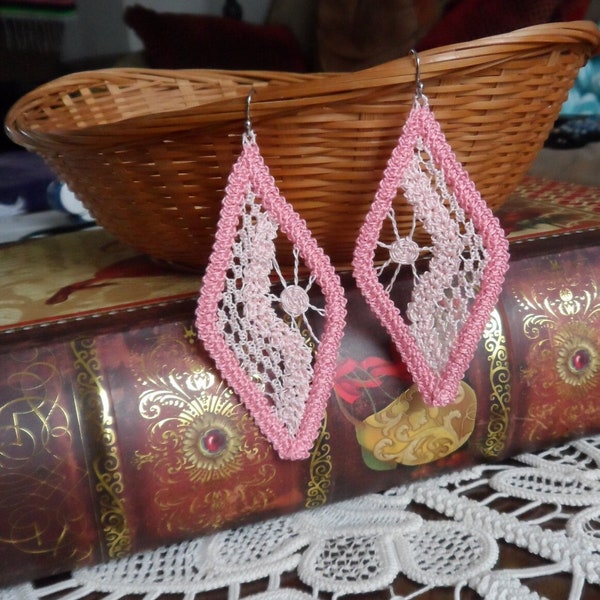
{"x":275,"y":345}
{"x":457,"y":274}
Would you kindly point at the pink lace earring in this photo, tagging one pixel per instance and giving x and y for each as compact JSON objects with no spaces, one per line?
{"x":276,"y":349}
{"x":465,"y":262}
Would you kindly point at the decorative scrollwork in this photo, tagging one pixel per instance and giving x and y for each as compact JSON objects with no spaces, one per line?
{"x":321,"y":468}
{"x":41,"y":514}
{"x":500,"y":398}
{"x":106,"y":464}
{"x":204,"y":454}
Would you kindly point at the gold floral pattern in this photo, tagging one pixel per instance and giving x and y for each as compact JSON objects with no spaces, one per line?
{"x":210,"y":445}
{"x":577,"y":360}
{"x":208,"y":463}
{"x":563,"y":362}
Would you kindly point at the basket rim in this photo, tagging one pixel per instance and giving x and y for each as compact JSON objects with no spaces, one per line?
{"x":295,"y":91}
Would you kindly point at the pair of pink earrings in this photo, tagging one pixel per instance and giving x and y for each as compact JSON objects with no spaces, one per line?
{"x":278,"y":351}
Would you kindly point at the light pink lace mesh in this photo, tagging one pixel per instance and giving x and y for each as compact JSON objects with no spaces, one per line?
{"x":273,"y":354}
{"x":265,"y":344}
{"x":442,"y":295}
{"x":466,"y":260}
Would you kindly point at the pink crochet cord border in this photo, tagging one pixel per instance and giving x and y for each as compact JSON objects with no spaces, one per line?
{"x":440,"y":388}
{"x":250,"y":169}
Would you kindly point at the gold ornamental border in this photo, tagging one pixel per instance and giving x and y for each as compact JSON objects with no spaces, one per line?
{"x":500,"y":382}
{"x":106,"y":464}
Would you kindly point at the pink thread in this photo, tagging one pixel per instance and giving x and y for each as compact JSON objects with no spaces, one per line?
{"x":251,"y":175}
{"x":437,"y":383}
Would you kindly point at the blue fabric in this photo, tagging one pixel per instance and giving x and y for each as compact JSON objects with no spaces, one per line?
{"x":584,"y":96}
{"x":24,"y":181}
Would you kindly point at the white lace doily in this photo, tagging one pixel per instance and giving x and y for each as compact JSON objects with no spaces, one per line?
{"x":526,"y":529}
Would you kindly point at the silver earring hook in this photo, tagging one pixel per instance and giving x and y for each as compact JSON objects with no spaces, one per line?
{"x":419,"y":83}
{"x":248,"y":120}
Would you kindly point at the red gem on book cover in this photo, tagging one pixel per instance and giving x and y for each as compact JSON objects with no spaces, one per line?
{"x":467,"y":257}
{"x":580,"y":360}
{"x":266,"y":344}
{"x":213,"y":442}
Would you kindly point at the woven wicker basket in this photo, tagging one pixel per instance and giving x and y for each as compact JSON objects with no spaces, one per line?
{"x":149,"y":151}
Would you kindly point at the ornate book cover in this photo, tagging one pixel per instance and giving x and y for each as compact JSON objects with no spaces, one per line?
{"x":117,"y":433}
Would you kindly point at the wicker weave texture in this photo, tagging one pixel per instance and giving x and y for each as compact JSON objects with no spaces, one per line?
{"x":149,"y":151}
